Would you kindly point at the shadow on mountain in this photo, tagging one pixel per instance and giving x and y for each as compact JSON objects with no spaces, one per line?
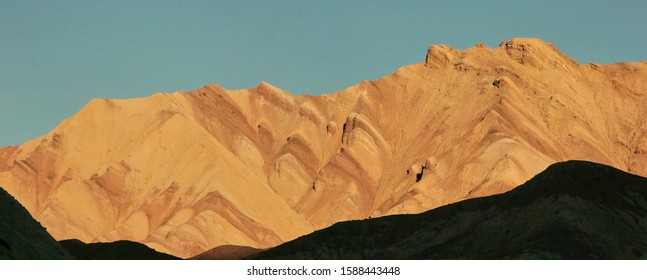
{"x":22,"y":237}
{"x":227,"y":252}
{"x":572,"y":210}
{"x":118,"y":250}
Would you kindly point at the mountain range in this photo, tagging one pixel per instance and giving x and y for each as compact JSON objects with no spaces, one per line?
{"x":188,"y":172}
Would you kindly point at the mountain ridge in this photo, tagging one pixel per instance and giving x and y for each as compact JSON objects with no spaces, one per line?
{"x":117,"y":250}
{"x":22,"y":237}
{"x":571,"y":210}
{"x":187,"y":171}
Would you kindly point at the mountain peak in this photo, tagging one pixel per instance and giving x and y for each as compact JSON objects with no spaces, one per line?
{"x":527,"y":51}
{"x":535,"y":52}
{"x":265,"y":86}
{"x":439,"y":55}
{"x":536,"y":42}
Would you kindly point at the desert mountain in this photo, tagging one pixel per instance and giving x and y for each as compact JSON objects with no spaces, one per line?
{"x":22,"y":237}
{"x":572,"y":210}
{"x":190,"y":171}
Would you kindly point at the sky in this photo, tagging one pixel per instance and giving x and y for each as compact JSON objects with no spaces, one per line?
{"x":55,"y":56}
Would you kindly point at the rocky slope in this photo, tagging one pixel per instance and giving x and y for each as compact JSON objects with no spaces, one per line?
{"x":190,"y":171}
{"x":573,"y":210}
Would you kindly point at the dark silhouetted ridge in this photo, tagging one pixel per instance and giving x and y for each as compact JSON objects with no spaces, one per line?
{"x":572,"y":210}
{"x":118,"y":250}
{"x":227,"y":252}
{"x":22,"y":237}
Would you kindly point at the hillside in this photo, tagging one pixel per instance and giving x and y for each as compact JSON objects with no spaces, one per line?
{"x":190,"y":171}
{"x":118,"y":250}
{"x":572,"y":210}
{"x":22,"y":237}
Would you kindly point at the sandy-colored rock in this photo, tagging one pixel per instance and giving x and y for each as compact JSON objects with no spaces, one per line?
{"x":190,"y":171}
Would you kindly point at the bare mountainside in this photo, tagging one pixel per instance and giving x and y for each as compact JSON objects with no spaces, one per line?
{"x":190,"y":171}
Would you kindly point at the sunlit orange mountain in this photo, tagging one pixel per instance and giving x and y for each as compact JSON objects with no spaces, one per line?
{"x":191,"y":171}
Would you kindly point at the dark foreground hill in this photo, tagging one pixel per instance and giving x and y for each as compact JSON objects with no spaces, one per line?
{"x":572,"y":210}
{"x":227,"y":252}
{"x":22,"y":237}
{"x":118,"y":250}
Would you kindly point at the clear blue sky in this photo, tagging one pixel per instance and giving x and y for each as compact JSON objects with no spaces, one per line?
{"x":57,"y":55}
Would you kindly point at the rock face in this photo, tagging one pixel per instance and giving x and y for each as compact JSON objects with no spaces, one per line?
{"x":190,"y":171}
{"x":572,"y":210}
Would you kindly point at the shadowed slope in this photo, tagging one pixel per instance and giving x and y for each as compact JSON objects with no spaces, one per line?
{"x":118,"y":250}
{"x":227,"y":252}
{"x":22,"y":237}
{"x":572,"y":210}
